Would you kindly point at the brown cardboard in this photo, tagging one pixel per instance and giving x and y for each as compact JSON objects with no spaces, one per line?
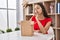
{"x":26,"y":28}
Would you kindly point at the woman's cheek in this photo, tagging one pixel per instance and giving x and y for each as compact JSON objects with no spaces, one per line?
{"x":40,"y":11}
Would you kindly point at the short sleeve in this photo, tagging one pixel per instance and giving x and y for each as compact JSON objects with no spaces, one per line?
{"x":33,"y":18}
{"x":49,"y":19}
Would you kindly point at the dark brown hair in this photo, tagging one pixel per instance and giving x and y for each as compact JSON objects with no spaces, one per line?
{"x":43,"y":10}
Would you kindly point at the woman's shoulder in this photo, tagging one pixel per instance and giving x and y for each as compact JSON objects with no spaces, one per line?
{"x":33,"y":18}
{"x":48,"y":19}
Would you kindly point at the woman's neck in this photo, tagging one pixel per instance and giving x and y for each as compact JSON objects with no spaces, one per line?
{"x":41,"y":17}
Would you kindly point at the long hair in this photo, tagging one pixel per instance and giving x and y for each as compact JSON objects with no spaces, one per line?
{"x":43,"y":10}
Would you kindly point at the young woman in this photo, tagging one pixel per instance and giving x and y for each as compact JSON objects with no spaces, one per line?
{"x":41,"y":20}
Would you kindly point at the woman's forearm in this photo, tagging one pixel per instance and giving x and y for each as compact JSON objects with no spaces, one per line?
{"x":42,"y":29}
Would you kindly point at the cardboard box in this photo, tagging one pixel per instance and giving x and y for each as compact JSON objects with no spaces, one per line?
{"x":26,"y":28}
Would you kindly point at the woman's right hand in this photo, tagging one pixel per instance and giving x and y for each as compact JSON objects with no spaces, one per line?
{"x":25,"y":4}
{"x":31,"y":22}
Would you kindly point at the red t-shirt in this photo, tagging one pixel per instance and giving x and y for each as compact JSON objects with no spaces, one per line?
{"x":43,"y":22}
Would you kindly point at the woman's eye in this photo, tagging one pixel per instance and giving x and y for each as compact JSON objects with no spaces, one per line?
{"x":37,"y":8}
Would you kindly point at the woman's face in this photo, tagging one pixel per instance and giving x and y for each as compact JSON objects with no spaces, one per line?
{"x":37,"y":9}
